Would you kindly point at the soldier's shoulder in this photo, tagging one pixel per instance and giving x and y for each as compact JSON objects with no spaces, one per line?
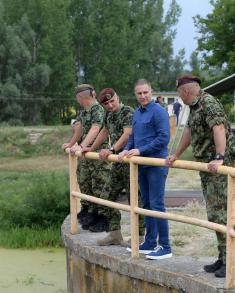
{"x":97,"y":108}
{"x":127,"y":109}
{"x":207,"y":98}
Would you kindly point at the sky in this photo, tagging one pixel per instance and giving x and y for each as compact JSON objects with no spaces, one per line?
{"x":186,"y":31}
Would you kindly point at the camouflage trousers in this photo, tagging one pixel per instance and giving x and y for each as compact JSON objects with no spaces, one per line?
{"x":92,"y":176}
{"x":119,"y":179}
{"x":214,"y":187}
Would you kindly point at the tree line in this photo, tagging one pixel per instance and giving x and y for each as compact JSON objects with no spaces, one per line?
{"x":48,"y":46}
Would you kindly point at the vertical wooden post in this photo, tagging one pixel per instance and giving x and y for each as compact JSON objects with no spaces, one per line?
{"x":230,"y":257}
{"x":134,"y":216}
{"x":73,"y":187}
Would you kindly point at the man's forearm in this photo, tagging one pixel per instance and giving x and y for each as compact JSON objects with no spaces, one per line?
{"x":219,"y":138}
{"x":123,"y":139}
{"x":91,"y":135}
{"x":77,"y":134}
{"x":184,"y":143}
{"x":102,"y":136}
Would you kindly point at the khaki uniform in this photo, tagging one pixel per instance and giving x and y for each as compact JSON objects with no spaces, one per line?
{"x":119,"y":175}
{"x":205,"y":113}
{"x":92,"y":174}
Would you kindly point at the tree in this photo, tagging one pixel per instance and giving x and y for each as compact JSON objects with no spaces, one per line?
{"x":19,"y":75}
{"x":51,"y":45}
{"x":120,"y":41}
{"x":217,"y":40}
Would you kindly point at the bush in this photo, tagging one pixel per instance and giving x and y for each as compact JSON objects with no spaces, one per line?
{"x":43,"y":203}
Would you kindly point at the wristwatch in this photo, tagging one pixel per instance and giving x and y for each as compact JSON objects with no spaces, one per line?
{"x":218,"y":156}
{"x":112,"y":150}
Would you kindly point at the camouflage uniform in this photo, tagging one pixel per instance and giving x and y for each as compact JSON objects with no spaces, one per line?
{"x":206,"y":112}
{"x":119,"y":175}
{"x":92,"y":174}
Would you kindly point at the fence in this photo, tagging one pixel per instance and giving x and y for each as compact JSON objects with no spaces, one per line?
{"x":134,"y":210}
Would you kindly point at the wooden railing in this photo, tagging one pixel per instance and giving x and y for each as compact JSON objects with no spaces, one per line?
{"x":134,"y":210}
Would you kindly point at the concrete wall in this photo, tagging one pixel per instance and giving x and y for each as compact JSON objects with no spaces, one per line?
{"x":95,"y":269}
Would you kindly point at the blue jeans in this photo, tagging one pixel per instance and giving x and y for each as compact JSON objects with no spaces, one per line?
{"x":152,"y":187}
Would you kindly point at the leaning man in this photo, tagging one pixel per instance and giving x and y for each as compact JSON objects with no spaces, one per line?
{"x":150,"y":137}
{"x":209,"y":133}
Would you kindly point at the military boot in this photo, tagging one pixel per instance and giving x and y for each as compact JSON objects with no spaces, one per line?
{"x":113,"y":238}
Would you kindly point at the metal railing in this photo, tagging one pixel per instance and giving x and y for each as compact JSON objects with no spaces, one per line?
{"x":135,"y":211}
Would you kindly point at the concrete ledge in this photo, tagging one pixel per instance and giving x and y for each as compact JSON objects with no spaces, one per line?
{"x":177,"y":274}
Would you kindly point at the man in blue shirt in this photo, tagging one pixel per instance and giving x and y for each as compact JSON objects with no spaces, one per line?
{"x":150,"y":137}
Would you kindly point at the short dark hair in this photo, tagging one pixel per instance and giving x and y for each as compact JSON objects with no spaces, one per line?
{"x":142,"y":81}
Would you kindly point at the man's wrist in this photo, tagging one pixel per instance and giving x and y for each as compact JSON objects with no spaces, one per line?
{"x":112,"y":150}
{"x":218,"y":156}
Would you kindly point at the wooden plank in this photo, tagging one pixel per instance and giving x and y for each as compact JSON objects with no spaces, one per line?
{"x":134,"y":215}
{"x":73,"y":187}
{"x":230,"y":257}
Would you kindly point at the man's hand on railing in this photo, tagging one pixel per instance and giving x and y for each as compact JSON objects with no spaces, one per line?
{"x":75,"y":148}
{"x":214,"y":165}
{"x":128,"y":154}
{"x":170,"y":160}
{"x":65,"y":146}
{"x":104,"y":153}
{"x":121,"y":155}
{"x":86,"y":149}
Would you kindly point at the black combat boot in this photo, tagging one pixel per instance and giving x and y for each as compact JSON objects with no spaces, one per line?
{"x":89,"y":220}
{"x":82,"y":214}
{"x":221,"y":272}
{"x":100,"y":226}
{"x":213,"y":267}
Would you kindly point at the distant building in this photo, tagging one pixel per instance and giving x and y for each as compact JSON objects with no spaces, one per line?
{"x":169,"y":99}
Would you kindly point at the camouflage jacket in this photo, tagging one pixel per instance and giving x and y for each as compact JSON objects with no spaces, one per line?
{"x":91,"y":116}
{"x":206,"y":112}
{"x":116,"y":122}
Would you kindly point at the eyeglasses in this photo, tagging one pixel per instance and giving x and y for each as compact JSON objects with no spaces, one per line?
{"x":140,"y":93}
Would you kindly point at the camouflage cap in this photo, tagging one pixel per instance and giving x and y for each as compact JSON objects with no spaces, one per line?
{"x":106,"y":94}
{"x":83,"y":87}
{"x":187,"y":79}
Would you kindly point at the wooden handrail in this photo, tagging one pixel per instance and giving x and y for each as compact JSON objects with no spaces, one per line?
{"x":135,"y":210}
{"x":180,"y":164}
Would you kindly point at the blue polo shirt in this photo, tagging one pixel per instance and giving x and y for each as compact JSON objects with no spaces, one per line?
{"x":150,"y":131}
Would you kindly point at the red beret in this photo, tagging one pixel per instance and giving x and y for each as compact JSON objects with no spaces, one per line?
{"x":187,"y":79}
{"x":106,"y":95}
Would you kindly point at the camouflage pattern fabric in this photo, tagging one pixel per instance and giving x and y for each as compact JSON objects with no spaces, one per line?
{"x":92,"y":116}
{"x":214,"y":187}
{"x":116,"y":122}
{"x":119,"y":176}
{"x":92,"y":175}
{"x":205,"y":113}
{"x":119,"y":179}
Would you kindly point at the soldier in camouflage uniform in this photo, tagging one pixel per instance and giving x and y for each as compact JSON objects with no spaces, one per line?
{"x":91,"y":175}
{"x":117,"y":126}
{"x":210,"y":135}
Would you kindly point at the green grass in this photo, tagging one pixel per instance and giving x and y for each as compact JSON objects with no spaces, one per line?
{"x":14,"y":141}
{"x":33,"y":237}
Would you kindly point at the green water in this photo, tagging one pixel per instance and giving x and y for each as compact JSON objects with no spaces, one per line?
{"x":32,"y":271}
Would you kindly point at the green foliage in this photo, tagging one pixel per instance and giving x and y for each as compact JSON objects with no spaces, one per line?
{"x":217,"y":41}
{"x":14,"y":141}
{"x":43,"y":202}
{"x":26,"y":237}
{"x":118,"y":42}
{"x":36,"y":55}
